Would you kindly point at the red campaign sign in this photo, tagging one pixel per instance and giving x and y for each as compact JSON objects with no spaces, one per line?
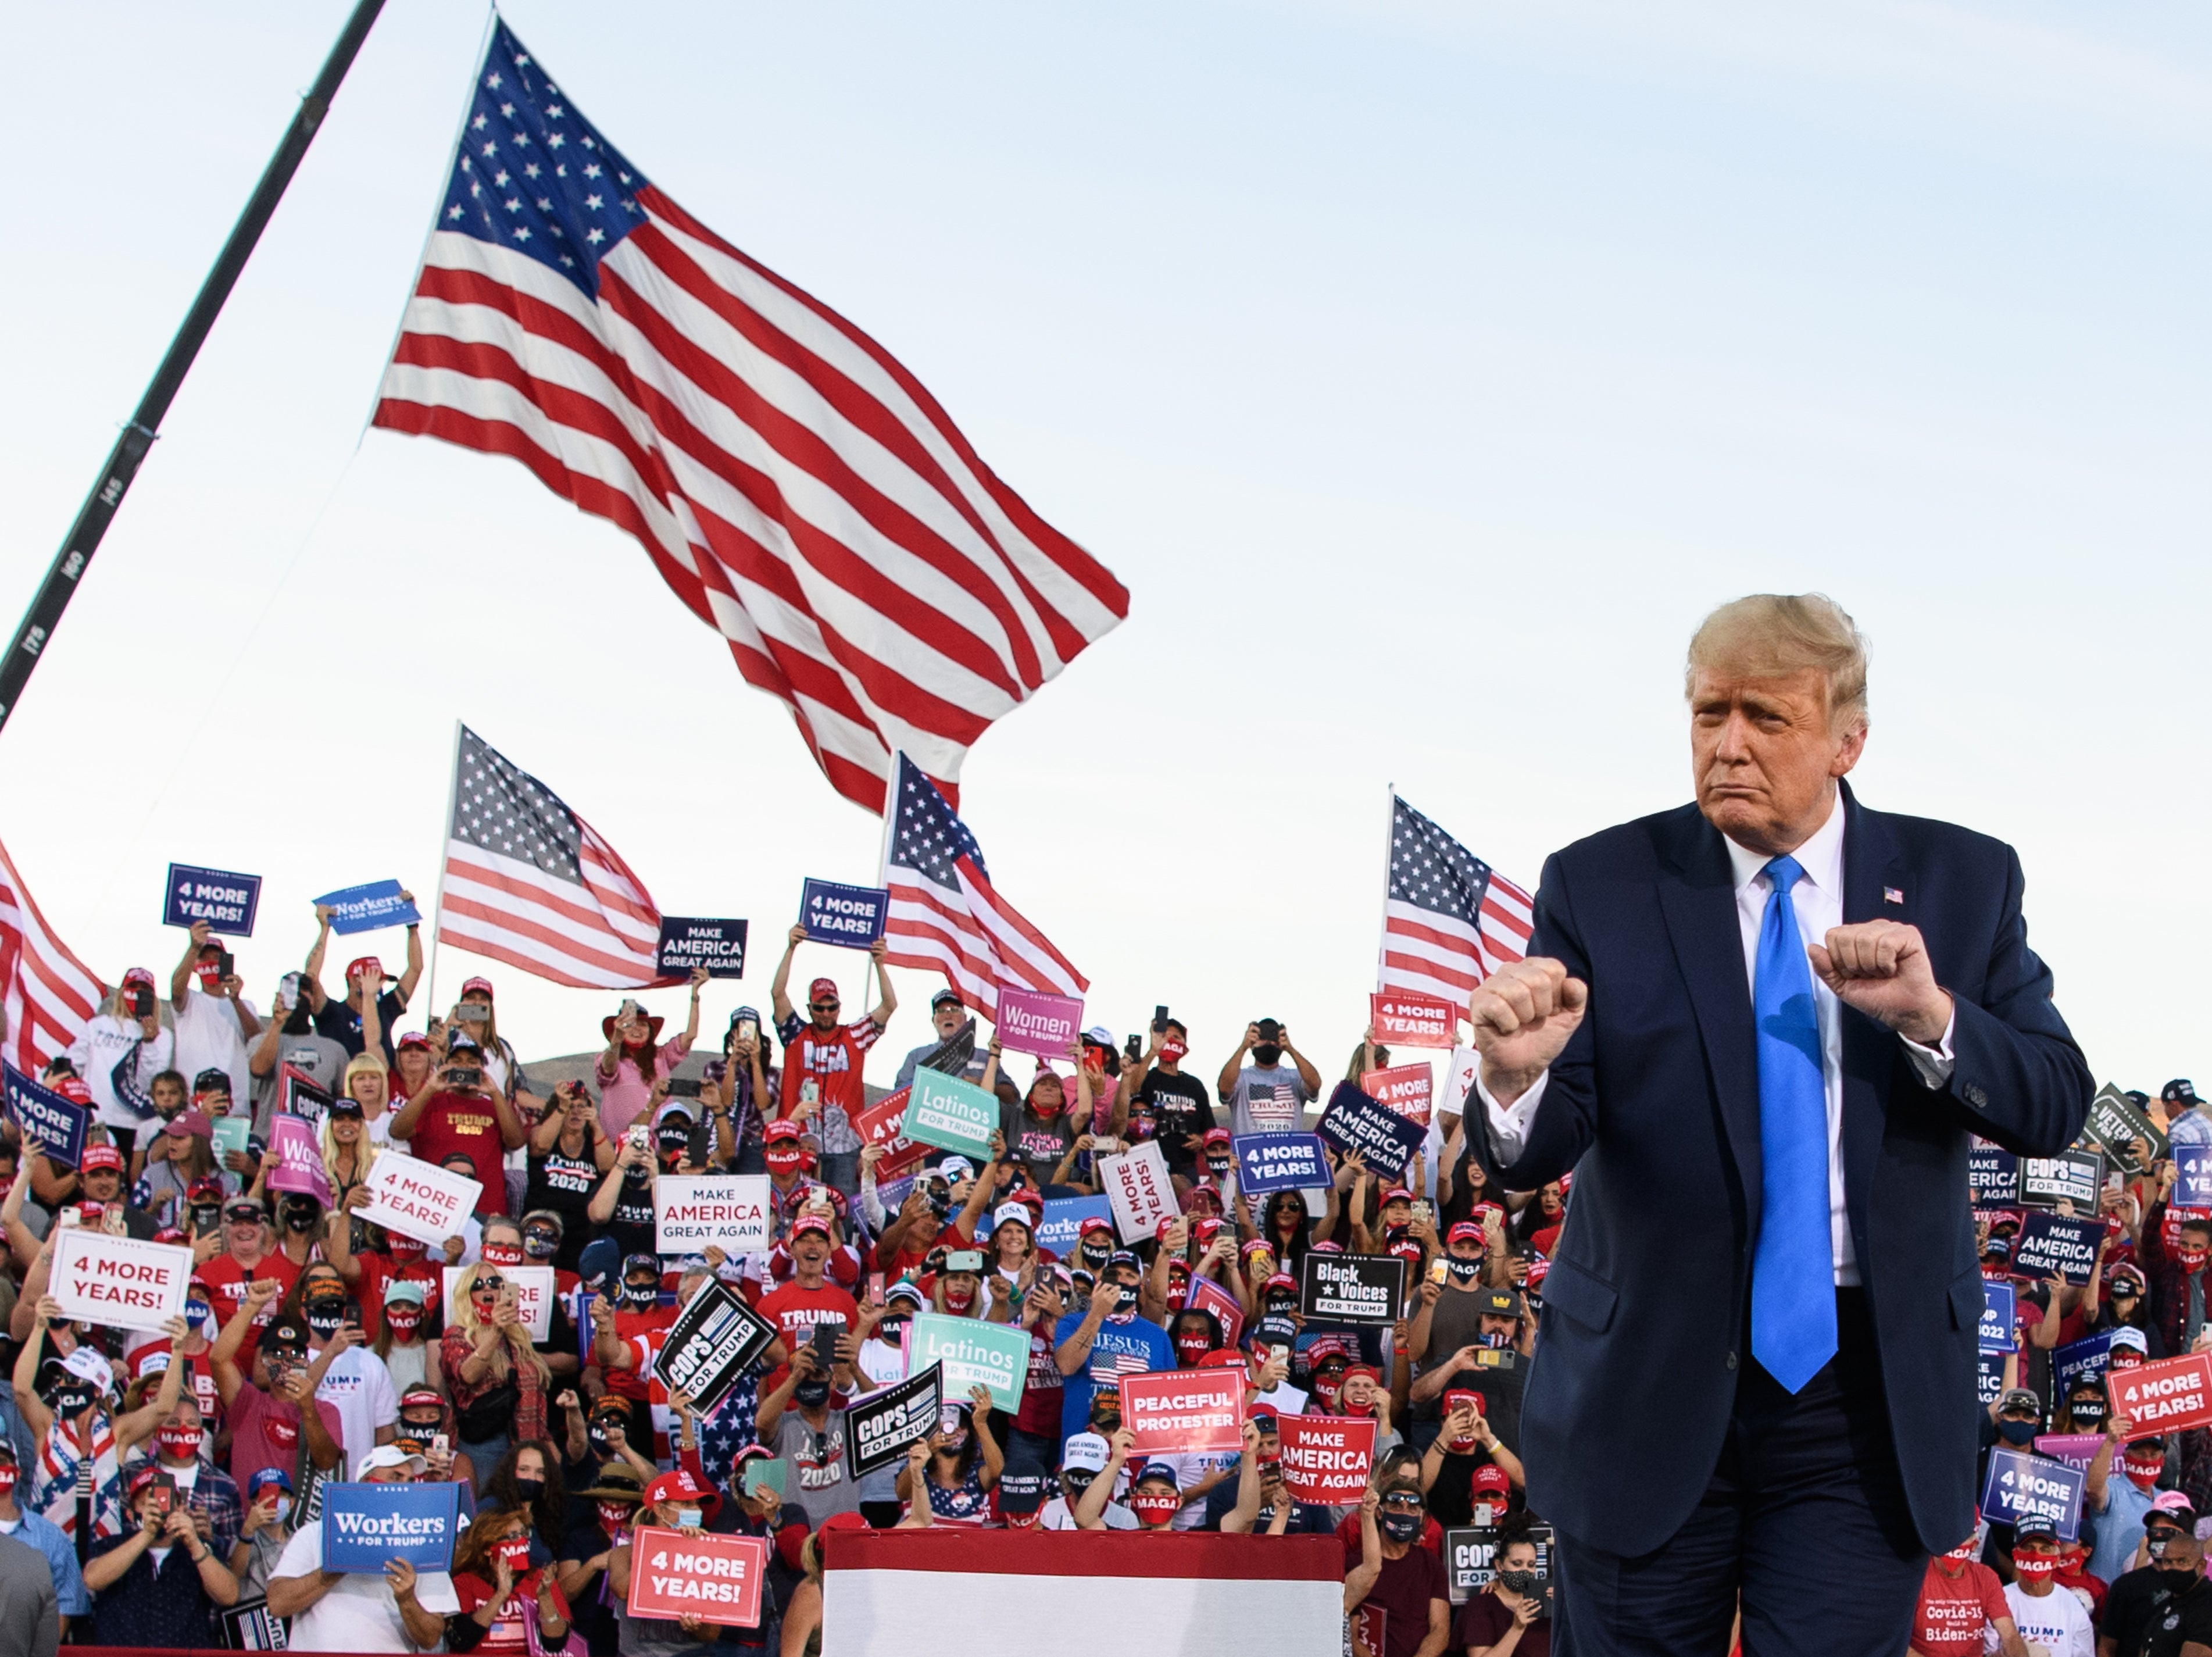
{"x":879,"y":1125}
{"x":1371,"y":1624}
{"x":1413,"y":1020}
{"x":1184,"y":1412}
{"x":1327,"y":1458}
{"x":2169,"y":1231}
{"x":1207,"y":1295}
{"x":716,"y":1579}
{"x":1403,"y":1089}
{"x":2170,"y":1396}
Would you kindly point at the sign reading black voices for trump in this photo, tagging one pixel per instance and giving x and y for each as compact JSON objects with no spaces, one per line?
{"x":2070,"y":1176}
{"x":714,"y":1340}
{"x":1353,"y":1288}
{"x":2056,"y":1245}
{"x":884,"y":1424}
{"x":2116,"y":1122}
{"x":1354,"y":1121}
{"x":689,"y":940}
{"x":1992,"y":1176}
{"x":225,"y":901}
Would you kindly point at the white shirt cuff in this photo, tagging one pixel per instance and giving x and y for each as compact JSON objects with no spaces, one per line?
{"x":1935,"y":1065}
{"x":1509,"y":1124}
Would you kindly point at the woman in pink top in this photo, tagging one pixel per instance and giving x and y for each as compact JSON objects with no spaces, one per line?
{"x":634,"y":1058}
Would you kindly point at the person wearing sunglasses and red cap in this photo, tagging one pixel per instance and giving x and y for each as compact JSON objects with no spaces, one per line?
{"x":341,"y":1020}
{"x":821,"y":1060}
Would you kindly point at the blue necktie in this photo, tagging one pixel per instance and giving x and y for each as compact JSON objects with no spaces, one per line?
{"x":1793,"y":1293}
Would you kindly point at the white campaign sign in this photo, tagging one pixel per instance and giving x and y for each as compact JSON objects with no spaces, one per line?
{"x":730,"y":1210}
{"x":118,"y":1280}
{"x":533,"y":1296}
{"x":418,"y":1199}
{"x":1138,"y":1186}
{"x":1459,"y":1081}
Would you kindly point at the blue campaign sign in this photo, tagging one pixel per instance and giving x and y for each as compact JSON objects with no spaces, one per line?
{"x":1999,"y":1308}
{"x":367,"y":1525}
{"x":849,"y":915}
{"x":1280,"y":1162}
{"x":44,"y":1115}
{"x":1355,"y":1122}
{"x":2192,"y":1183}
{"x":2020,"y":1484}
{"x":1063,"y":1221}
{"x":1989,"y":1378}
{"x":369,"y":908}
{"x":225,"y":901}
{"x":2084,"y":1357}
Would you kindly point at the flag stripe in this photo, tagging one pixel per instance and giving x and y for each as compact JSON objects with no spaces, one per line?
{"x":1470,"y":920}
{"x":48,"y":994}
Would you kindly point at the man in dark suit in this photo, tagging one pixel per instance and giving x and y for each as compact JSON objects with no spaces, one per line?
{"x":1760,"y":1029}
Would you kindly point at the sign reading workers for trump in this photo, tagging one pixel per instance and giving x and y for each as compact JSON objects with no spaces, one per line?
{"x":2058,"y":1245}
{"x":1030,"y":1021}
{"x":730,"y":1210}
{"x":2170,"y":1396}
{"x":715,"y":1339}
{"x":369,"y":908}
{"x":2022,"y":1486}
{"x":57,"y":1124}
{"x":1404,"y":1020}
{"x":716,"y":1579}
{"x":225,"y":901}
{"x":849,"y":915}
{"x":533,"y":1296}
{"x":1327,"y":1458}
{"x":365,"y":1526}
{"x":1354,"y":1121}
{"x":1280,"y":1162}
{"x":1406,"y":1089}
{"x":1064,"y":1217}
{"x":1138,"y":1186}
{"x":1184,"y":1412}
{"x":690,"y":941}
{"x":951,"y":1114}
{"x":1352,"y":1288}
{"x":418,"y":1199}
{"x":118,"y":1282}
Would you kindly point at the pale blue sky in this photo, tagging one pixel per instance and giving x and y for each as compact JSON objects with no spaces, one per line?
{"x":1424,"y":370}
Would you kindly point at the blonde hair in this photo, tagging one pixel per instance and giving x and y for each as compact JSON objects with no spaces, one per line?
{"x":367,"y":1064}
{"x":1772,"y":635}
{"x":365,"y":1151}
{"x":516,"y":1340}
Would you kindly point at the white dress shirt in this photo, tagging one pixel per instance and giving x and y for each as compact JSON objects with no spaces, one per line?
{"x":1817,"y":900}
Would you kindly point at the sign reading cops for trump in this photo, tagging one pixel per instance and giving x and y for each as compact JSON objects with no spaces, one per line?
{"x":369,"y":908}
{"x":365,"y":1526}
{"x":714,"y":1340}
{"x":1352,"y":1288}
{"x":1279,"y":1161}
{"x":2020,"y":1485}
{"x":730,"y":1210}
{"x":951,"y":1114}
{"x":2058,"y":1245}
{"x":972,"y":1352}
{"x":1998,"y":1309}
{"x":688,"y":941}
{"x":1992,"y":1176}
{"x":883,"y":1423}
{"x":849,"y":915}
{"x":2116,"y":1122}
{"x":225,"y":901}
{"x":56,"y":1123}
{"x":1354,"y":1121}
{"x":2071,"y":1176}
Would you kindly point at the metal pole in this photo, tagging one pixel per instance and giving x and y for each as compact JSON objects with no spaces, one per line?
{"x":131,"y":448}
{"x":438,"y":903}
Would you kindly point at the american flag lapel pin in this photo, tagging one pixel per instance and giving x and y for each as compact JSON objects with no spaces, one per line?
{"x":1891,"y":894}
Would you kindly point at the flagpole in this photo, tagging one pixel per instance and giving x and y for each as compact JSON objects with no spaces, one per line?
{"x":1382,"y":914}
{"x":438,"y":904}
{"x":884,"y":849}
{"x":66,"y":573}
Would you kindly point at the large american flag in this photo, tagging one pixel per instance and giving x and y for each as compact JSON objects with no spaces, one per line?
{"x":1450,"y":920}
{"x":529,"y":883}
{"x":46,"y":993}
{"x":799,"y":489}
{"x":945,"y":915}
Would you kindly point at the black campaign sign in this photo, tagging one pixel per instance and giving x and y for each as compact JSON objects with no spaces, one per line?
{"x":1353,"y":1288}
{"x":1992,"y":1176}
{"x":2071,"y":1176}
{"x":688,"y":941}
{"x":2058,"y":1245}
{"x":882,"y":1425}
{"x":2115,"y":1123}
{"x":714,"y":1340}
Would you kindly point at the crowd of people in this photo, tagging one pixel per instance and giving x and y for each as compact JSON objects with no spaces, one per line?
{"x":171,"y":1482}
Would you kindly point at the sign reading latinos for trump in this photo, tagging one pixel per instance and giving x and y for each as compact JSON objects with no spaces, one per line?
{"x":716,"y":1579}
{"x":1992,"y":1176}
{"x":1406,"y":1089}
{"x":225,"y":901}
{"x":1184,"y":1412}
{"x":2071,"y":1177}
{"x":690,"y":941}
{"x":951,"y":1114}
{"x":1064,"y":1216}
{"x":2170,"y":1396}
{"x":533,"y":1296}
{"x":299,"y":1159}
{"x":974,"y":1354}
{"x":883,"y":1423}
{"x":1999,"y":1307}
{"x":730,"y":1210}
{"x":418,"y":1198}
{"x":2058,"y":1245}
{"x":367,"y":1525}
{"x":369,"y":908}
{"x":1280,"y":1162}
{"x":118,"y":1282}
{"x":1030,"y":1021}
{"x":714,"y":1341}
{"x":1407,"y":1020}
{"x":849,"y":915}
{"x":1354,"y":1122}
{"x":2116,"y":1122}
{"x":1352,"y":1288}
{"x":1327,"y":1458}
{"x":2021,"y":1486}
{"x":1138,"y":1186}
{"x":39,"y":1113}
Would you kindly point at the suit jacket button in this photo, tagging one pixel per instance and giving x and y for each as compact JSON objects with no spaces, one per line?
{"x":1974,"y":1095}
{"x":1731,"y":1360}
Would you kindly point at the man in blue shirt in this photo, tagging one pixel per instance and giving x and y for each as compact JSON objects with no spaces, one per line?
{"x":1105,"y":1341}
{"x":34,"y":1531}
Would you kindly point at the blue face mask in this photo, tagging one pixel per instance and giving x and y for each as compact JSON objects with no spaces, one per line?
{"x":2017,"y":1431}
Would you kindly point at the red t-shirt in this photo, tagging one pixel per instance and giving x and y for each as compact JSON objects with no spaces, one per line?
{"x":379,"y":1272}
{"x":794,"y":1310}
{"x":629,"y":1325}
{"x":226,"y":1279}
{"x":1039,"y":1409}
{"x":832,"y":1057}
{"x":1954,"y":1609}
{"x":463,"y":1124}
{"x":508,"y":1632}
{"x":264,"y":1432}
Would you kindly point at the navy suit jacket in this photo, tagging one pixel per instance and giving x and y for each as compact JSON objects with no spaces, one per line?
{"x":1654,"y":1104}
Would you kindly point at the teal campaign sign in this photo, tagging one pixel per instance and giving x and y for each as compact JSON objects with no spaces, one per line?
{"x":951,"y":1114}
{"x":974,"y":1354}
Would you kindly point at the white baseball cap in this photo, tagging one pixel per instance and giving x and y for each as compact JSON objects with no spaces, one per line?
{"x":1085,"y":1453}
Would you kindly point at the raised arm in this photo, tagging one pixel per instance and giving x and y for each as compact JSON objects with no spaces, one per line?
{"x":887,"y":1003}
{"x":411,"y":974}
{"x":778,"y":989}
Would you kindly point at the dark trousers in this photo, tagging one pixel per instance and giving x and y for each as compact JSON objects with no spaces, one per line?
{"x":1804,"y":1519}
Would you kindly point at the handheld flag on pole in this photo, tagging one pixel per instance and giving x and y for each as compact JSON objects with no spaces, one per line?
{"x":1448,"y":920}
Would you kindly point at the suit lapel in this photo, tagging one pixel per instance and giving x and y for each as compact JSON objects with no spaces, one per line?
{"x":1876,"y":886}
{"x":1696,"y":895}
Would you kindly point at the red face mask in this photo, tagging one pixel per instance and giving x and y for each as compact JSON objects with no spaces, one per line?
{"x":1154,"y":1507}
{"x":2191,"y":1258}
{"x":958,"y":1300}
{"x":407,"y":1248}
{"x":516,"y":1551}
{"x":404,"y":1321}
{"x":2143,"y":1474}
{"x":1328,"y":1388}
{"x":181,"y":1443}
{"x":614,"y":1515}
{"x":1172,"y":1050}
{"x":1028,"y":1522}
{"x":502,"y":1254}
{"x":2034,"y":1566}
{"x":1190,"y":1348}
{"x":7,"y":1480}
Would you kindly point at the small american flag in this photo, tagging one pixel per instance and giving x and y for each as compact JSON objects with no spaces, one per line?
{"x":46,"y":993}
{"x":945,"y":915}
{"x":529,"y":883}
{"x":797,"y":488}
{"x":1450,"y":920}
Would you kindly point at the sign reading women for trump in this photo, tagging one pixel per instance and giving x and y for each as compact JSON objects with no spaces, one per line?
{"x":1030,"y":1021}
{"x":1184,"y":1412}
{"x":299,"y":1159}
{"x":118,"y":1282}
{"x":367,"y":1525}
{"x":416,"y":1198}
{"x":729,"y":1211}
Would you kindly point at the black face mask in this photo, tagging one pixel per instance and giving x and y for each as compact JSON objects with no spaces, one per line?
{"x":1218,"y":1166}
{"x":1267,"y":1055}
{"x":2088,"y":1413}
{"x":602,"y":1442}
{"x":1516,"y":1581}
{"x":298,"y":1022}
{"x":541,"y":1245}
{"x":813,"y":1394}
{"x":300,"y":1217}
{"x":207,"y":1218}
{"x":323,"y":1320}
{"x":71,"y":1400}
{"x":2017,"y":1431}
{"x":642,"y":1294}
{"x":1128,"y":1300}
{"x":1462,"y":1272}
{"x":1402,"y":1527}
{"x":1093,"y":1258}
{"x":529,"y":1488}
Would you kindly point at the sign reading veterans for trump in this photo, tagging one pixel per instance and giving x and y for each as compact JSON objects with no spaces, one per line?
{"x":716,"y":1579}
{"x":365,"y":1526}
{"x":885,"y":1423}
{"x":1405,"y":1089}
{"x":2115,"y":1122}
{"x":849,"y":915}
{"x":1030,"y":1021}
{"x":418,"y":1198}
{"x":715,"y":1339}
{"x":1401,"y":1020}
{"x":1327,"y":1458}
{"x":369,"y":908}
{"x":2058,"y":1245}
{"x":1992,"y":1176}
{"x":1184,"y":1412}
{"x":225,"y":901}
{"x":2021,"y":1486}
{"x":1352,"y":1288}
{"x":533,"y":1296}
{"x":2071,"y":1176}
{"x":42,"y":1114}
{"x":1138,"y":1186}
{"x":951,"y":1114}
{"x":1280,"y":1162}
{"x":118,"y":1282}
{"x":730,"y":1210}
{"x":1999,"y":1307}
{"x":1354,"y":1122}
{"x":2170,"y":1396}
{"x":690,"y":941}
{"x":974,"y":1354}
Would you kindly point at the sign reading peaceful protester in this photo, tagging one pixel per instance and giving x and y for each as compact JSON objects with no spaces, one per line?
{"x":2058,"y":1245}
{"x":2116,"y":1122}
{"x":2170,"y":1396}
{"x":849,"y":915}
{"x":2071,"y":1176}
{"x":1409,"y":1020}
{"x":730,"y":1210}
{"x":1352,"y":1288}
{"x":1999,"y":1308}
{"x":715,"y":1339}
{"x":1354,"y":1121}
{"x":1279,"y":1161}
{"x":951,"y":1114}
{"x":118,"y":1282}
{"x":1030,"y":1021}
{"x":1184,"y":1412}
{"x":974,"y":1354}
{"x":299,"y":1159}
{"x":533,"y":1296}
{"x":418,"y":1199}
{"x":2083,"y":1360}
{"x":365,"y":1526}
{"x":690,"y":941}
{"x":1063,"y":1221}
{"x":1405,"y":1089}
{"x":885,"y":1423}
{"x":39,"y":1113}
{"x":2021,"y":1486}
{"x":1327,"y":1458}
{"x":716,"y":1579}
{"x":1992,"y":1176}
{"x":225,"y":901}
{"x":1138,"y":1186}
{"x":369,"y":908}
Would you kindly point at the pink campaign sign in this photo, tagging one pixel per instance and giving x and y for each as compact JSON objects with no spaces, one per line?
{"x":300,"y":1159}
{"x":1030,"y":1022}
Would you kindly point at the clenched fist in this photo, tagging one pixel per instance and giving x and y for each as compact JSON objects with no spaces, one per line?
{"x":1522,"y":1015}
{"x":1881,"y":968}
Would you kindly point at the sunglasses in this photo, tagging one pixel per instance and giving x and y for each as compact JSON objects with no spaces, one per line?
{"x":489,"y":1286}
